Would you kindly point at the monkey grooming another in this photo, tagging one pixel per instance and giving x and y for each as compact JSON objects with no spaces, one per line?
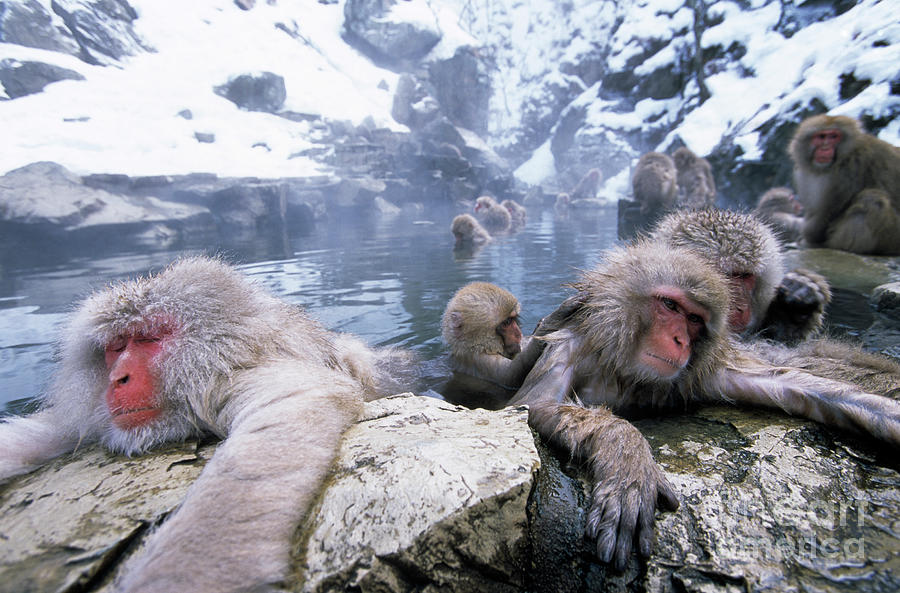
{"x":647,"y":331}
{"x":198,"y":349}
{"x":849,"y":185}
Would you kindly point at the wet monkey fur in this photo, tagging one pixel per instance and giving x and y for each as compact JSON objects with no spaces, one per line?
{"x":849,"y":185}
{"x":199,"y":349}
{"x":647,"y":331}
{"x":488,"y":354}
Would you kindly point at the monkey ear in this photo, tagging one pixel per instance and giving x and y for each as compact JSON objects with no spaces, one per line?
{"x":456,"y":323}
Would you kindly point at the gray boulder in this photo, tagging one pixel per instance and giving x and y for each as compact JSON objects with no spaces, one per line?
{"x":29,"y":23}
{"x":390,"y":30}
{"x":255,"y":92}
{"x":25,"y":78}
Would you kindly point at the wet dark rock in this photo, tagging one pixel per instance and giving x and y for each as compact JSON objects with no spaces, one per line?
{"x":379,"y":30}
{"x":25,"y":78}
{"x":205,"y":137}
{"x":413,"y":106}
{"x":255,"y":92}
{"x":886,"y":299}
{"x":102,"y":28}
{"x":29,"y":23}
{"x":463,"y":88}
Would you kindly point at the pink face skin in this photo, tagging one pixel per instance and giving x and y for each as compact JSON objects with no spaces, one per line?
{"x":677,"y":323}
{"x":511,"y":334}
{"x":741,"y":314}
{"x":824,"y":145}
{"x":132,"y":392}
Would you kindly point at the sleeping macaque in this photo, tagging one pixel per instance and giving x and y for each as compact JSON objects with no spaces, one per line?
{"x":764,"y":300}
{"x":488,"y":354}
{"x":468,"y":232}
{"x":849,"y":184}
{"x":654,"y":183}
{"x":647,"y":331}
{"x":517,"y":213}
{"x":494,"y":217}
{"x":779,"y":208}
{"x":196,"y":349}
{"x":696,"y":186}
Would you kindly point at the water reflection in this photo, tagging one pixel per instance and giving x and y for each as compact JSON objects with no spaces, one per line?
{"x":384,"y":279}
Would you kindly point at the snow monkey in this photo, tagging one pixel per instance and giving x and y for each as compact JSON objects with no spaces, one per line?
{"x":849,"y":184}
{"x":647,"y":331}
{"x":654,"y":183}
{"x":786,"y":307}
{"x":495,"y":218}
{"x":468,"y":232}
{"x":779,"y":208}
{"x":488,"y":354}
{"x":198,"y":349}
{"x":696,"y":186}
{"x":518,"y":214}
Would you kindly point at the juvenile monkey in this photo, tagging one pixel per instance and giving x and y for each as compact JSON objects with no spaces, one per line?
{"x":495,"y":218}
{"x":779,"y":208}
{"x":785,"y":307}
{"x":197,"y":349}
{"x":647,"y":331}
{"x":488,"y":354}
{"x":696,"y":186}
{"x":849,"y":184}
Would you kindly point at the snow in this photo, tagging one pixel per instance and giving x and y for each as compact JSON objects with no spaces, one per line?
{"x":124,"y":118}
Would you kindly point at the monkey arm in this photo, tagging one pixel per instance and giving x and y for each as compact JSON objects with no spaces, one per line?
{"x":29,"y":442}
{"x":627,"y":483}
{"x":798,"y":308}
{"x":830,"y":402}
{"x":284,"y":423}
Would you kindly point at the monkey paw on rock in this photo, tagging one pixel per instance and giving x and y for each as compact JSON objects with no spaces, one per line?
{"x":797,"y":310}
{"x":628,"y":485}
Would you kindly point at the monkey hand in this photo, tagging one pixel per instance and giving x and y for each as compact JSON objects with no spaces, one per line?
{"x":628,"y":484}
{"x":559,"y":317}
{"x":797,"y":309}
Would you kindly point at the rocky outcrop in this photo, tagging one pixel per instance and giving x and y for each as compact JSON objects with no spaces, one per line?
{"x":255,"y":92}
{"x":25,"y":78}
{"x":426,"y":495}
{"x":391,"y":31}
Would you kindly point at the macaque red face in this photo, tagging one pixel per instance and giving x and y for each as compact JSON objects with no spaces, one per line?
{"x":824,"y":146}
{"x":741,"y":314}
{"x":511,"y":334}
{"x":132,"y":395}
{"x":677,"y":322}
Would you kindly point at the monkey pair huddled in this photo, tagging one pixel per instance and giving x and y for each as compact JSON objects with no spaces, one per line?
{"x":198,"y":349}
{"x":654,"y":327}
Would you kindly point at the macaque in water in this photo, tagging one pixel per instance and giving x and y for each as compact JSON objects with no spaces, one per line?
{"x":494,"y":217}
{"x":785,"y":307}
{"x":849,"y":184}
{"x":647,"y":331}
{"x":696,"y":186}
{"x":779,"y":208}
{"x":488,"y":355}
{"x":198,"y":349}
{"x":517,"y":213}
{"x":468,"y":232}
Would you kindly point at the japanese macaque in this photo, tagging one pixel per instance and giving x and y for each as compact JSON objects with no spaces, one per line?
{"x":196,"y":350}
{"x":488,"y":355}
{"x":647,"y":331}
{"x":785,"y":307}
{"x":654,"y":183}
{"x":494,"y":217}
{"x":696,"y":186}
{"x":587,"y":186}
{"x":468,"y":232}
{"x":779,"y":208}
{"x":849,"y":184}
{"x":517,"y":213}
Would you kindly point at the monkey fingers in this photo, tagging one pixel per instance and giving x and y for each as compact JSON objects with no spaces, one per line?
{"x":559,"y":317}
{"x":804,"y":290}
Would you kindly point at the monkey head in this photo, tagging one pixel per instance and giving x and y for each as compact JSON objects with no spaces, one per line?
{"x":652,"y":314}
{"x":741,"y":247}
{"x":820,"y":140}
{"x":483,"y":318}
{"x":485,"y":203}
